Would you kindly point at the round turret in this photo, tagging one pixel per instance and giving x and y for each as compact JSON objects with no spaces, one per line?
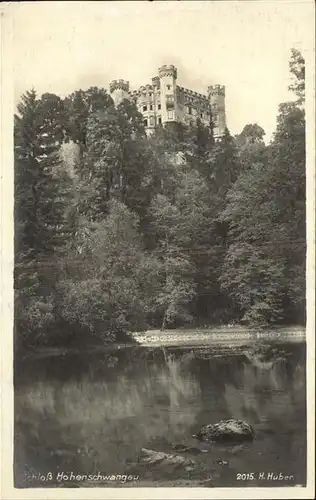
{"x":168,"y":70}
{"x":216,"y":95}
{"x":119,"y":90}
{"x":213,"y":90}
{"x":119,"y":85}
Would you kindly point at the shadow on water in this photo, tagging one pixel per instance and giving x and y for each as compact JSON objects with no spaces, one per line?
{"x":96,"y":412}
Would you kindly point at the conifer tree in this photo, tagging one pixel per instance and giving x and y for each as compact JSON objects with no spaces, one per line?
{"x":41,"y":191}
{"x":224,"y":165}
{"x":39,"y":178}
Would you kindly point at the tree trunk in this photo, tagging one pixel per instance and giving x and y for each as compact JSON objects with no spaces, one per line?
{"x":164,"y":321}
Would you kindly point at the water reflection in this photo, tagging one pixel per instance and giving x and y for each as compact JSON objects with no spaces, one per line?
{"x":267,"y":394}
{"x":100,"y":419}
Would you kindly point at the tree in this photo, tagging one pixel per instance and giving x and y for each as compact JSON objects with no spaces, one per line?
{"x":224,"y":165}
{"x":115,"y":160}
{"x":288,"y":153}
{"x":78,"y":106}
{"x":39,"y":179}
{"x":41,"y":192}
{"x":176,"y":287}
{"x":251,"y":148}
{"x":251,"y":133}
{"x":109,"y":280}
{"x":189,"y":194}
{"x":297,"y":69}
{"x":54,"y":117}
{"x":264,"y":268}
{"x":198,"y":149}
{"x":255,"y":281}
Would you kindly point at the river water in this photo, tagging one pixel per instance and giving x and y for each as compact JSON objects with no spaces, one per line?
{"x":77,"y":414}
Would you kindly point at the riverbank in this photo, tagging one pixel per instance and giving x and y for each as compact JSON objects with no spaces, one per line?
{"x":219,"y":335}
{"x":182,"y":337}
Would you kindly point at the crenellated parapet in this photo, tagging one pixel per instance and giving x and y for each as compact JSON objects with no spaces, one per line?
{"x":189,"y":97}
{"x":146,"y":89}
{"x":156,"y":82}
{"x":192,"y":94}
{"x":119,"y":85}
{"x":216,"y":90}
{"x":167,"y":70}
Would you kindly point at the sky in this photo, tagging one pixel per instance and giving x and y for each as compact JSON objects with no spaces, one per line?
{"x":60,"y":47}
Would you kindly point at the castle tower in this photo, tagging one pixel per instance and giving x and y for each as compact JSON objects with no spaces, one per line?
{"x":216,"y":95}
{"x":168,"y":86}
{"x":119,"y":90}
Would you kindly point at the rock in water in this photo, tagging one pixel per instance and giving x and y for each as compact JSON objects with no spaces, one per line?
{"x":158,"y":457}
{"x":160,"y":466}
{"x":231,"y":430}
{"x":182,"y":448}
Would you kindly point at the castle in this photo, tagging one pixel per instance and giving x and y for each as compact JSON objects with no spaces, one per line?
{"x":164,"y":101}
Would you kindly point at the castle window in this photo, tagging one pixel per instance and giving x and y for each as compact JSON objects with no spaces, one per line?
{"x":169,"y":102}
{"x":144,"y":108}
{"x":159,"y":106}
{"x":168,"y":87}
{"x":146,"y":123}
{"x":159,"y":121}
{"x":151,"y":107}
{"x":190,"y":110}
{"x":151,"y":121}
{"x":201,"y":115}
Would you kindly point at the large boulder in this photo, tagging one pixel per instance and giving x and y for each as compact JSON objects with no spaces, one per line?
{"x":231,"y":430}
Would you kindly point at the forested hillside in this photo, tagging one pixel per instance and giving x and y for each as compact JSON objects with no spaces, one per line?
{"x":164,"y":231}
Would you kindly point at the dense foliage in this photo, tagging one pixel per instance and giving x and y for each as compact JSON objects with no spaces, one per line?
{"x":170,"y":230}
